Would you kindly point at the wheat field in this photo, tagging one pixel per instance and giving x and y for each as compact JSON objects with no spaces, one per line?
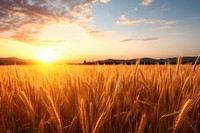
{"x":100,"y":99}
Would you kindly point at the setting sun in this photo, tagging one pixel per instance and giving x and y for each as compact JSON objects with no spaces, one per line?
{"x":47,"y":55}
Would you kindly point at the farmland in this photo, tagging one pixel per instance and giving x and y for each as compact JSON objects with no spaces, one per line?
{"x":100,"y":98}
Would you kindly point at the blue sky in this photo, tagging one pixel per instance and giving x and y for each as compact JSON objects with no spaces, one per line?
{"x":92,"y":29}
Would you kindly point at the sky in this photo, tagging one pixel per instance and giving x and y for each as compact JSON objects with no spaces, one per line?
{"x":77,"y":30}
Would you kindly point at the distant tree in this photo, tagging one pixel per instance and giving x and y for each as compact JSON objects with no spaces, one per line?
{"x":84,"y":62}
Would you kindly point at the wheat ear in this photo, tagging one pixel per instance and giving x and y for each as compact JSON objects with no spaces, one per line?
{"x":142,"y":124}
{"x":182,"y":115}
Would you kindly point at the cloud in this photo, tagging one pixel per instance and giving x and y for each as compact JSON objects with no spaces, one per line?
{"x":178,"y":33}
{"x":53,"y":41}
{"x":170,"y":22}
{"x":96,"y":32}
{"x":104,"y":1}
{"x":28,"y":17}
{"x":24,"y":37}
{"x":146,"y":2}
{"x":139,"y":39}
{"x":87,"y":18}
{"x":42,"y":43}
{"x":100,"y":34}
{"x":125,"y":20}
{"x":167,"y":24}
{"x":165,"y":27}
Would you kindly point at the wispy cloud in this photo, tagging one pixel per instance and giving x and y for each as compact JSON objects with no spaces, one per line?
{"x":30,"y":39}
{"x":87,"y":18}
{"x":97,"y":32}
{"x":101,"y":34}
{"x":43,"y":43}
{"x":24,"y":37}
{"x":125,"y":20}
{"x":104,"y":1}
{"x":139,"y":39}
{"x":17,"y":16}
{"x":146,"y":2}
{"x":53,"y":41}
{"x":165,"y":27}
{"x":171,"y":22}
{"x":177,"y":33}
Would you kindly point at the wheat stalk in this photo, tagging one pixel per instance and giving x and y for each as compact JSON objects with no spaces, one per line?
{"x":25,"y":100}
{"x":179,"y":61}
{"x":182,"y":115}
{"x":99,"y":123}
{"x":143,"y":122}
{"x":195,"y":64}
{"x":56,"y":114}
{"x":83,"y":116}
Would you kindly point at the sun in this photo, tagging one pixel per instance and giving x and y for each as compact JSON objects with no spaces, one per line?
{"x":47,"y":55}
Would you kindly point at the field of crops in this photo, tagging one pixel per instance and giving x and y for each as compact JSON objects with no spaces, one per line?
{"x":104,"y":99}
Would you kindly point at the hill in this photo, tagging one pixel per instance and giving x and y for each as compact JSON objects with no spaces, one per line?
{"x":17,"y":61}
{"x":146,"y":60}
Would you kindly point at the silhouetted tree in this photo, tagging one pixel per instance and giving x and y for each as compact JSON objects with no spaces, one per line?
{"x":84,"y":62}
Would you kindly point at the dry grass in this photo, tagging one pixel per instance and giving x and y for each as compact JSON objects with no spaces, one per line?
{"x":112,"y":99}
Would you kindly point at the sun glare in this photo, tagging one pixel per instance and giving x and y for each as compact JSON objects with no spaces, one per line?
{"x":47,"y":55}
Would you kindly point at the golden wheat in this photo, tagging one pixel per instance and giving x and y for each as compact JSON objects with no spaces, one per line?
{"x":112,"y":99}
{"x":142,"y":124}
{"x":182,"y":115}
